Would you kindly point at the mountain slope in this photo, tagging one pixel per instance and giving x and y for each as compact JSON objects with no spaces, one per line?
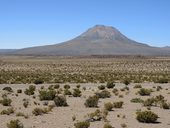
{"x":99,"y":40}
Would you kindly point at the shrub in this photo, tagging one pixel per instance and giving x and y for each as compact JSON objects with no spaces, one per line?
{"x":47,"y":94}
{"x":7,"y":111}
{"x":92,"y":101}
{"x":60,"y":101}
{"x":67,"y":86}
{"x":76,"y":92}
{"x":136,"y":100}
{"x":149,"y":102}
{"x":40,"y":111}
{"x":108,"y":106}
{"x":20,"y":114}
{"x":38,"y":81}
{"x":57,"y":86}
{"x":103,"y":94}
{"x":78,"y":86}
{"x":144,"y":92}
{"x":110,"y":85}
{"x":165,"y":105}
{"x":83,"y":124}
{"x":95,"y":116}
{"x":9,"y":89}
{"x":115,"y":90}
{"x":67,"y":92}
{"x":26,"y":103}
{"x":30,"y":90}
{"x":6,"y":101}
{"x":137,"y":86}
{"x":118,"y":104}
{"x":147,"y":117}
{"x":126,"y":82}
{"x":107,"y":125}
{"x":162,"y":80}
{"x":19,"y":91}
{"x":15,"y":124}
{"x":101,"y":87}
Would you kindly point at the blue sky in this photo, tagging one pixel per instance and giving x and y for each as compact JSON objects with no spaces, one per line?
{"x":26,"y":23}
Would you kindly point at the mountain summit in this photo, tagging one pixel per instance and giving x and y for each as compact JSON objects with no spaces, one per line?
{"x":98,"y":40}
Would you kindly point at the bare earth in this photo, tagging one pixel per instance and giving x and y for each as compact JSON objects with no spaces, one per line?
{"x":61,"y":117}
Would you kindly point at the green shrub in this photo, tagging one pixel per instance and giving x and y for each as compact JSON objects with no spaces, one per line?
{"x":108,"y":106}
{"x":110,"y":85}
{"x":95,"y":116}
{"x":118,"y":104}
{"x":107,"y":125}
{"x":126,"y":82}
{"x":67,"y":86}
{"x":19,"y":91}
{"x":47,"y":94}
{"x":92,"y":101}
{"x":83,"y":124}
{"x":60,"y":101}
{"x":144,"y":92}
{"x":115,"y":90}
{"x":7,"y":111}
{"x":57,"y":86}
{"x":38,"y":81}
{"x":162,"y":80}
{"x":6,"y":101}
{"x":40,"y":111}
{"x":30,"y":90}
{"x":165,"y":105}
{"x":67,"y":92}
{"x":76,"y":92}
{"x":137,"y":86}
{"x":26,"y":103}
{"x":78,"y":86}
{"x":147,"y":117}
{"x":101,"y":87}
{"x":20,"y":114}
{"x":15,"y":124}
{"x":103,"y":94}
{"x":149,"y":102}
{"x":9,"y":89}
{"x":136,"y":100}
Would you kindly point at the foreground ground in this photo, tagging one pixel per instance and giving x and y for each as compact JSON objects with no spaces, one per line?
{"x":62,"y":117}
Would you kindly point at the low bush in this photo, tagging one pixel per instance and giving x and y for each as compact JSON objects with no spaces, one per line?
{"x":107,"y":125}
{"x":7,"y":111}
{"x":47,"y":94}
{"x":103,"y":94}
{"x":30,"y":90}
{"x":19,"y":91}
{"x":26,"y":103}
{"x":136,"y":100}
{"x":165,"y":105}
{"x":15,"y":124}
{"x":108,"y":106}
{"x":83,"y":124}
{"x":101,"y":87}
{"x":110,"y":85}
{"x":67,"y":86}
{"x":95,"y":116}
{"x":76,"y":92}
{"x":40,"y":111}
{"x":118,"y":104}
{"x":67,"y":92}
{"x":60,"y":101}
{"x":144,"y":92}
{"x":6,"y":101}
{"x":9,"y":89}
{"x":146,"y":117}
{"x":138,"y":86}
{"x":149,"y":102}
{"x":38,"y":81}
{"x":92,"y":101}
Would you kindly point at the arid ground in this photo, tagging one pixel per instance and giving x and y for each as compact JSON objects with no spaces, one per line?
{"x":75,"y":79}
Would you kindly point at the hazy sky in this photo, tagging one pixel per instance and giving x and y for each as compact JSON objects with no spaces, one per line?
{"x":25,"y":23}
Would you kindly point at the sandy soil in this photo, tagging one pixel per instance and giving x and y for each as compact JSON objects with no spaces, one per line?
{"x":61,"y":117}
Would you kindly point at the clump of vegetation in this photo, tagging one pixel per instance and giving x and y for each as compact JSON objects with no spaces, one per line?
{"x":165,"y":105}
{"x":67,"y":86}
{"x":95,"y":116}
{"x":118,"y":104}
{"x":83,"y":124}
{"x":7,"y":111}
{"x":103,"y":94}
{"x":92,"y":101}
{"x":76,"y":92}
{"x":15,"y":124}
{"x":26,"y":103}
{"x":108,"y":106}
{"x":101,"y":87}
{"x":144,"y":92}
{"x":38,"y":81}
{"x":149,"y":102}
{"x":136,"y":100}
{"x":138,"y":86}
{"x":30,"y":90}
{"x":107,"y":125}
{"x":126,"y":81}
{"x":146,"y":117}
{"x":110,"y":85}
{"x":9,"y":89}
{"x":47,"y":94}
{"x":40,"y":111}
{"x":60,"y":101}
{"x":67,"y":92}
{"x":6,"y":101}
{"x":19,"y":91}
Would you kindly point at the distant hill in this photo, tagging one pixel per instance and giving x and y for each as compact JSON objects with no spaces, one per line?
{"x":6,"y":50}
{"x":98,"y":40}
